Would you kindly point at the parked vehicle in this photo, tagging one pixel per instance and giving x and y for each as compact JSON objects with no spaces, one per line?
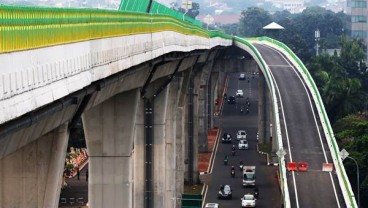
{"x":249,"y":176}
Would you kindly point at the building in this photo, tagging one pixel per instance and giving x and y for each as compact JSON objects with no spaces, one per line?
{"x":358,"y":25}
{"x":293,"y":6}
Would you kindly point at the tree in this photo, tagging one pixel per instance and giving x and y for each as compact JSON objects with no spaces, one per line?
{"x":252,"y":21}
{"x":193,"y":12}
{"x":351,"y":134}
{"x":341,"y":89}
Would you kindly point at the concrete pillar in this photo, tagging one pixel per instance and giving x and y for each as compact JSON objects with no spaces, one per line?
{"x":214,"y":96}
{"x":164,"y":146}
{"x":181,"y":136}
{"x":109,"y":129}
{"x":139,"y":155}
{"x":32,"y":176}
{"x":202,"y":88}
{"x":263,"y":111}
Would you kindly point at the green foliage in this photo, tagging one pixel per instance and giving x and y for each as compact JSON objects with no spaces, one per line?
{"x":231,"y":29}
{"x":352,"y":134}
{"x":193,"y":12}
{"x":252,"y":21}
{"x":339,"y":79}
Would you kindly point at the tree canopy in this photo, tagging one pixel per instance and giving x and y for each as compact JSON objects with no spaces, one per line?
{"x":252,"y":21}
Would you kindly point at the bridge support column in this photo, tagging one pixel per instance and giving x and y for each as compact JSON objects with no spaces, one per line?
{"x":203,"y":89}
{"x":214,"y":95}
{"x":264,"y":112}
{"x":32,"y":176}
{"x":109,"y":130}
{"x":165,"y":114}
{"x":181,"y":136}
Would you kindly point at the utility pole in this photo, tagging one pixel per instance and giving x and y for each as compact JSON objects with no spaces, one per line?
{"x":317,"y":38}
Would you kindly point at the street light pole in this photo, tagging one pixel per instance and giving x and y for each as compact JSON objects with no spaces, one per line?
{"x":357,"y":167}
{"x":317,"y":37}
{"x":344,"y":154}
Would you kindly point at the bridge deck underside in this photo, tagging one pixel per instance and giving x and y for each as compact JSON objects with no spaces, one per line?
{"x":303,"y":138}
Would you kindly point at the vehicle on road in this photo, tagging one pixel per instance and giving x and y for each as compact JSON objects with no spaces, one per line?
{"x":248,"y":200}
{"x":242,"y":76}
{"x":231,"y":100}
{"x":225,"y":192}
{"x":226,"y":138}
{"x":243,"y":144}
{"x":249,"y":176}
{"x":241,"y":134}
{"x":212,"y":205}
{"x":239,"y":93}
{"x":241,"y":164}
{"x":232,"y":171}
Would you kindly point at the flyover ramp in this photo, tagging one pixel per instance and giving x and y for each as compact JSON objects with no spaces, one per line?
{"x":302,"y":135}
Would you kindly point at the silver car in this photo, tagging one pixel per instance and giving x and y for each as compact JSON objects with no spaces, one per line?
{"x":212,"y":205}
{"x":243,"y":144}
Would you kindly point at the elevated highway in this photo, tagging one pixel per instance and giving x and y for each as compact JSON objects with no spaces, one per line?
{"x":144,"y":85}
{"x":302,"y":136}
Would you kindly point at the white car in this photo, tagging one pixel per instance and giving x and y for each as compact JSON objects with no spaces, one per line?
{"x":243,"y":144}
{"x":242,"y":134}
{"x":248,"y":200}
{"x":239,"y":93}
{"x":212,"y":205}
{"x":242,"y":76}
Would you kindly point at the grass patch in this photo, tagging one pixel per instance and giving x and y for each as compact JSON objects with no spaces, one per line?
{"x":265,"y":147}
{"x":194,"y":189}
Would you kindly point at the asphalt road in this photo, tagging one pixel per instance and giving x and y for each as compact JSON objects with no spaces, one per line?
{"x":303,"y":138}
{"x":232,"y":121}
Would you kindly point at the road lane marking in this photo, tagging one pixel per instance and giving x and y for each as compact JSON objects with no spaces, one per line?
{"x":287,"y":136}
{"x":315,"y":122}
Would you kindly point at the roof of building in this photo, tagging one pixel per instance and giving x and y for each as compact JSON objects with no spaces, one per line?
{"x":273,"y":26}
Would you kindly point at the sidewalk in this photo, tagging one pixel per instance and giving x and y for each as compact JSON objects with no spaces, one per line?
{"x":206,"y":159}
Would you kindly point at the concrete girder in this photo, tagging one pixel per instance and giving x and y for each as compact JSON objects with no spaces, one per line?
{"x":38,"y":127}
{"x":32,"y":176}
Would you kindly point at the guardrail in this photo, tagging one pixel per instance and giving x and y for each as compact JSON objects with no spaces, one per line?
{"x":24,"y":28}
{"x":342,"y":177}
{"x":266,"y":71}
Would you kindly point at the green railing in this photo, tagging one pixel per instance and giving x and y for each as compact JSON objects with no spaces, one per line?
{"x":348,"y":193}
{"x":23,"y":28}
{"x":134,"y":5}
{"x":266,"y":71}
{"x":158,"y":8}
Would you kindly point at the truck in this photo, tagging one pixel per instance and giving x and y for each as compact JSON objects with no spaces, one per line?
{"x":249,"y":176}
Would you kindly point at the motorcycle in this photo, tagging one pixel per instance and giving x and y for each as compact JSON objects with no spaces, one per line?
{"x":233,"y":152}
{"x":226,"y":161}
{"x":232,"y":171}
{"x":241,"y":110}
{"x":241,"y":165}
{"x":247,"y":110}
